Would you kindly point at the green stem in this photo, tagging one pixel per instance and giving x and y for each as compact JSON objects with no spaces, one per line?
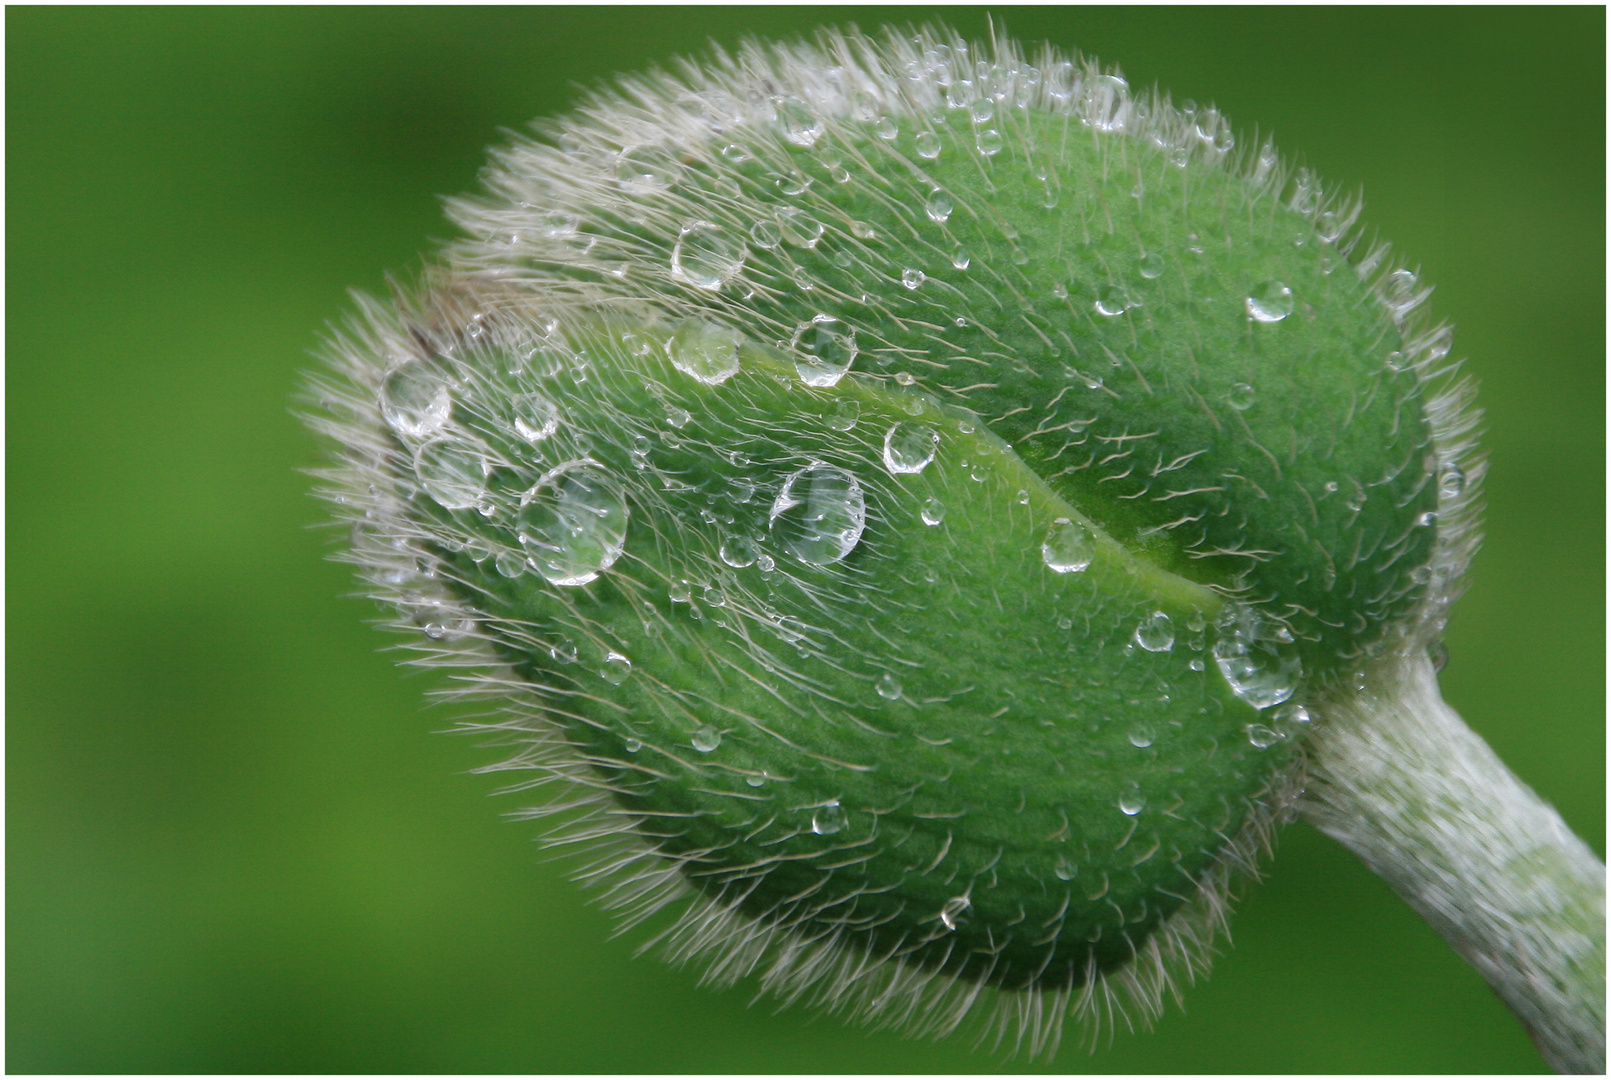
{"x":1400,"y":779}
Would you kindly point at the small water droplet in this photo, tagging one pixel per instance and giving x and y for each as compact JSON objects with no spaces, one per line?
{"x":1156,"y":633}
{"x":938,"y":207}
{"x":1064,"y":868}
{"x":765,"y":235}
{"x":573,"y":523}
{"x":912,"y":277}
{"x":707,"y":351}
{"x":509,"y":564}
{"x":564,"y":652}
{"x":755,"y":781}
{"x":632,"y":746}
{"x":819,"y":514}
{"x":739,"y":551}
{"x":888,"y":687}
{"x":953,"y":910}
{"x":1141,"y":736}
{"x":1270,"y":302}
{"x":1263,"y":737}
{"x":1112,"y":300}
{"x":928,"y":145}
{"x":801,"y":126}
{"x":982,"y":111}
{"x":960,"y":258}
{"x":886,"y":129}
{"x":677,"y":418}
{"x":706,"y":256}
{"x":1251,"y":656}
{"x":1068,"y":548}
{"x":616,"y":669}
{"x":714,"y":596}
{"x":989,"y":142}
{"x":825,"y":348}
{"x":647,"y":170}
{"x":845,"y":415}
{"x":415,"y":400}
{"x":706,"y":739}
{"x":453,"y":472}
{"x":1132,"y":801}
{"x":909,"y":448}
{"x":800,"y":228}
{"x":680,"y":592}
{"x":1451,"y":480}
{"x":1152,"y":265}
{"x":1241,"y":396}
{"x":536,"y":417}
{"x":828,"y":819}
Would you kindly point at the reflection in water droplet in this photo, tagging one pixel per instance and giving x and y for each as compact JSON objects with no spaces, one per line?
{"x":706,"y":739}
{"x":1270,"y":302}
{"x":819,"y":514}
{"x":933,"y":512}
{"x":706,"y":257}
{"x":616,"y":669}
{"x":415,"y":400}
{"x":453,"y":472}
{"x":573,"y":523}
{"x":951,"y":914}
{"x":824,"y":348}
{"x":1068,"y":547}
{"x":707,"y":351}
{"x":909,"y":448}
{"x":888,"y":687}
{"x":828,"y":819}
{"x":536,"y":417}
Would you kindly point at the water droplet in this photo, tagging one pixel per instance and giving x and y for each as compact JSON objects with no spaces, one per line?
{"x":989,"y":142}
{"x":828,"y":819}
{"x":1068,"y":547}
{"x":1156,"y":633}
{"x":706,"y":739}
{"x":912,"y":277}
{"x":765,"y":235}
{"x":1241,"y":396}
{"x":707,"y":351}
{"x":982,"y":111}
{"x":677,"y":418}
{"x":1250,"y":656}
{"x":632,"y":746}
{"x":845,"y":415}
{"x":415,"y":400}
{"x":1141,"y":736}
{"x":888,"y":687}
{"x":819,"y":514}
{"x":1152,"y":265}
{"x":739,"y":551}
{"x":564,"y":652}
{"x":536,"y":417}
{"x":951,"y":914}
{"x":1291,"y":717}
{"x":1451,"y":480}
{"x":938,"y":207}
{"x":1132,"y":801}
{"x":960,"y":258}
{"x":1112,"y":300}
{"x":886,"y":129}
{"x":706,"y":256}
{"x":509,"y":564}
{"x":933,"y":512}
{"x":647,"y":170}
{"x":1263,"y":737}
{"x":801,"y":126}
{"x":909,"y":448}
{"x":680,"y":592}
{"x":573,"y":523}
{"x":928,"y":145}
{"x":1270,"y":302}
{"x":616,"y":669}
{"x":800,"y":228}
{"x":1064,"y":868}
{"x":714,"y":596}
{"x":453,"y":472}
{"x":825,"y":348}
{"x":755,"y":781}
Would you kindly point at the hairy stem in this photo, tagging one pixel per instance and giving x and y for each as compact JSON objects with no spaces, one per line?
{"x":1400,"y":779}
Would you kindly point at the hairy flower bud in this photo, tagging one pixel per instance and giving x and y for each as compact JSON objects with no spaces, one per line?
{"x":914,"y":494}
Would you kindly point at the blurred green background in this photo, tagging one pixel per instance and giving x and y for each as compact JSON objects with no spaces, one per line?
{"x":234,"y":843}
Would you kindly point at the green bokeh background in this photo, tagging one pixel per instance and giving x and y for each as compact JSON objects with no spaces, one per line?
{"x":234,"y":843}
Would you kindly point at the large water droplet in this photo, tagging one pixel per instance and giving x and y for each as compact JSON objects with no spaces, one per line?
{"x":953,"y":910}
{"x":819,"y":514}
{"x":573,"y":523}
{"x":1156,"y":633}
{"x":909,"y":448}
{"x":825,"y":348}
{"x":828,"y":819}
{"x":1068,"y":547}
{"x":706,"y":256}
{"x":1270,"y":302}
{"x":415,"y":399}
{"x":707,"y":351}
{"x":1252,"y":656}
{"x":706,"y":739}
{"x":536,"y":417}
{"x":453,"y":472}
